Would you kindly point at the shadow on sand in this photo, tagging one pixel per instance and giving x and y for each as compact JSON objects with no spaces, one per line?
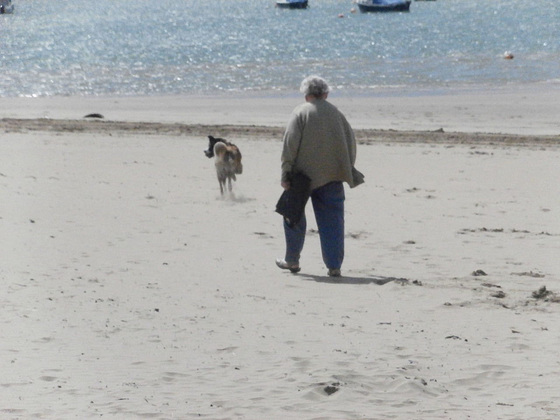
{"x":379,"y":280}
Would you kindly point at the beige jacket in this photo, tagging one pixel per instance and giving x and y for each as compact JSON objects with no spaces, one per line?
{"x":328,"y":146}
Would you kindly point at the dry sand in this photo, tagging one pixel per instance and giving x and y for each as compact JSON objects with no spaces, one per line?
{"x":132,"y":289}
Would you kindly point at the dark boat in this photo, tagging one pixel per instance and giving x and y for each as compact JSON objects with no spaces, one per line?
{"x":292,"y":4}
{"x":6,"y":7}
{"x":384,"y":5}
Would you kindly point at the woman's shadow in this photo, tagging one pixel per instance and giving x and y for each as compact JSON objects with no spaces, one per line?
{"x":379,"y":280}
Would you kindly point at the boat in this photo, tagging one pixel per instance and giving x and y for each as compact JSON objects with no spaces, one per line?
{"x":6,"y":7}
{"x":384,"y":5}
{"x":292,"y":4}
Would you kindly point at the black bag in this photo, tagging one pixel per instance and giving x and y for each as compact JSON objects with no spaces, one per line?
{"x":292,"y":202}
{"x":357,"y":177}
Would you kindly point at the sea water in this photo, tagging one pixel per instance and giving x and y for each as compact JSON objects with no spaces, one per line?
{"x":161,"y":47}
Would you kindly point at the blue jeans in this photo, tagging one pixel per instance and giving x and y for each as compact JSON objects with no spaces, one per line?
{"x":328,"y":206}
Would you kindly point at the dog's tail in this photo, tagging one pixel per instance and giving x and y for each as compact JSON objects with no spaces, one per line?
{"x":220,"y":148}
{"x":228,"y":155}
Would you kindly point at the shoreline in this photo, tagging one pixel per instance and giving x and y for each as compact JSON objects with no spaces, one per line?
{"x":518,"y":111}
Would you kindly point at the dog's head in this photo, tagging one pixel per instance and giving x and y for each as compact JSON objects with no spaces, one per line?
{"x":211,"y":142}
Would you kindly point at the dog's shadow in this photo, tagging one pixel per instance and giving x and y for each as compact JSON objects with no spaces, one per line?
{"x":378,"y":280}
{"x":231,"y":197}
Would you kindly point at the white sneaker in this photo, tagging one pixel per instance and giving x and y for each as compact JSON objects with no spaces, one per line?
{"x":294,"y":268}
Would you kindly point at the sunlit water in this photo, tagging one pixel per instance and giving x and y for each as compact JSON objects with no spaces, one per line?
{"x":139,"y":47}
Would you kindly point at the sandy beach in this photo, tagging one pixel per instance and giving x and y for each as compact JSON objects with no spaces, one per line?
{"x":132,"y":289}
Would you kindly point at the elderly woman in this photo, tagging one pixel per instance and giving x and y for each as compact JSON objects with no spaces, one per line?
{"x":319,"y":142}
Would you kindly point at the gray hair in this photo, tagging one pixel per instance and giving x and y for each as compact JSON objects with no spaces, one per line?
{"x":315,"y":86}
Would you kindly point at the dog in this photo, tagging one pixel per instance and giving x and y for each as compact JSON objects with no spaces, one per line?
{"x":227,"y":160}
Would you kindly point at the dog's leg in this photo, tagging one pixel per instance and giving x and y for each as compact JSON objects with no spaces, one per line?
{"x":222,"y":184}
